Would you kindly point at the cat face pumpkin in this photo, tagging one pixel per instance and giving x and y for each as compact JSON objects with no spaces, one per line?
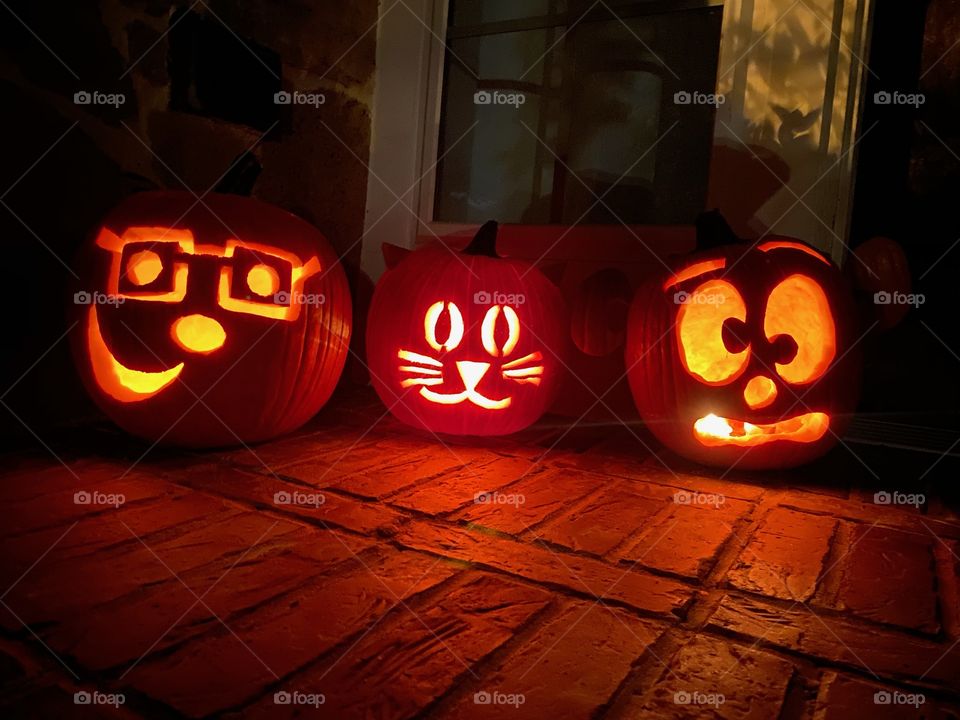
{"x":465,"y":344}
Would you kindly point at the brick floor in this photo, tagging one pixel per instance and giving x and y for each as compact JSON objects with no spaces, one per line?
{"x":351,"y":571}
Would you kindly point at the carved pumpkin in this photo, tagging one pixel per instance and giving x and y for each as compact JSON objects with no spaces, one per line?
{"x":206,"y":324}
{"x":745,"y":356}
{"x":465,"y":343}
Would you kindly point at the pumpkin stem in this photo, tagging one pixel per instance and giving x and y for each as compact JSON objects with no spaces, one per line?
{"x":485,"y":241}
{"x":713,"y":231}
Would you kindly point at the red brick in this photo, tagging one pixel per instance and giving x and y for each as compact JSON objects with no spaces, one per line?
{"x":101,"y":577}
{"x":842,"y":697}
{"x":401,"y":472}
{"x":158,"y":616}
{"x":687,"y":540}
{"x":259,"y":490}
{"x":146,"y":519}
{"x":947,"y":554}
{"x":42,"y":476}
{"x":902,"y":516}
{"x":330,"y":467}
{"x":52,"y":701}
{"x":59,"y":508}
{"x":881,"y":565}
{"x":451,"y":490}
{"x":785,"y":556}
{"x":543,"y":494}
{"x":406,"y":664}
{"x":580,"y":574}
{"x":606,"y":520}
{"x":753,"y":684}
{"x":226,"y":669}
{"x":278,"y":454}
{"x":568,"y":669}
{"x":839,"y":640}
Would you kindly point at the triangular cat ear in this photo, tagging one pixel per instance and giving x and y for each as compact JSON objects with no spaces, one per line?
{"x":393,"y":254}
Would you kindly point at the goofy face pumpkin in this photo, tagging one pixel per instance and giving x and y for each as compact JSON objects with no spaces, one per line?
{"x":465,"y":343}
{"x":209,"y":323}
{"x":746,"y":356}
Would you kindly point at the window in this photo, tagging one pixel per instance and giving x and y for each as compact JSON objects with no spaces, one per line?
{"x":548,"y":105}
{"x":604,"y":87}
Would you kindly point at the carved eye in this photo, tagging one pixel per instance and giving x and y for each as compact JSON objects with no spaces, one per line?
{"x":798,"y":309}
{"x":263,"y":280}
{"x":454,"y":323}
{"x":704,"y":314}
{"x":143,"y":267}
{"x":489,"y":328}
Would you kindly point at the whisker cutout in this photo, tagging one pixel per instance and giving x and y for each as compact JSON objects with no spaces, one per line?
{"x":417,"y":358}
{"x":409,"y":382}
{"x":524,"y":372}
{"x":532,"y":357}
{"x":420,"y":370}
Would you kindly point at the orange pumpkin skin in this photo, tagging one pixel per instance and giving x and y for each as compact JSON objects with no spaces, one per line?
{"x":465,"y":344}
{"x":746,"y":358}
{"x":208,"y":324}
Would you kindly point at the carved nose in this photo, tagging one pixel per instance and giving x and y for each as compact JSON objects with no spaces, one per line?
{"x":198,"y":333}
{"x":760,"y":392}
{"x":472,"y":372}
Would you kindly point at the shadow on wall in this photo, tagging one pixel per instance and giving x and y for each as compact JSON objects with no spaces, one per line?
{"x":785,"y":75}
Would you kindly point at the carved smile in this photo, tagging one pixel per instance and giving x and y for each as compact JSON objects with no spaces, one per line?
{"x":117,"y":380}
{"x":713,"y":430}
{"x":467,"y":395}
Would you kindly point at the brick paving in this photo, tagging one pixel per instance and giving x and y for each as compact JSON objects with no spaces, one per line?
{"x":560,"y":573}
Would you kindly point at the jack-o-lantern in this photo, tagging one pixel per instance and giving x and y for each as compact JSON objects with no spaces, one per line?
{"x":465,"y":343}
{"x":209,"y":323}
{"x":746,"y":355}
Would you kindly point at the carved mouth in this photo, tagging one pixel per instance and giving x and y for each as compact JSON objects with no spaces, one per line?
{"x":116,"y":379}
{"x":713,"y":430}
{"x":469,"y":395}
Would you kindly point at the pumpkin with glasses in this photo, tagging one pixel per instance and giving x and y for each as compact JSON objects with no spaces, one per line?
{"x":465,"y":343}
{"x":746,"y":355}
{"x":208,"y":322}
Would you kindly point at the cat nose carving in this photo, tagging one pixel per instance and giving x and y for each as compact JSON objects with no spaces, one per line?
{"x":472,"y":373}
